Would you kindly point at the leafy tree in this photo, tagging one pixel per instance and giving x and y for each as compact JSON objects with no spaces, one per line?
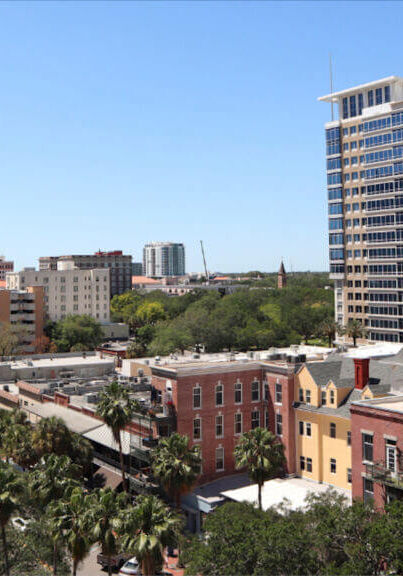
{"x":262,"y":454}
{"x":355,"y":330}
{"x":116,"y":409}
{"x":150,"y":313}
{"x":11,"y":488}
{"x":8,"y":341}
{"x":235,"y":537}
{"x":135,"y":350}
{"x":105,"y":507}
{"x":145,"y":530}
{"x":176,"y":465}
{"x":77,"y":332}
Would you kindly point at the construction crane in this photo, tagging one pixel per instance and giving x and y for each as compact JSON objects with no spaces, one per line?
{"x":204,"y":261}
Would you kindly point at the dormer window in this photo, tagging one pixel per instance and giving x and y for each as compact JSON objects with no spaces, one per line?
{"x":331,"y":396}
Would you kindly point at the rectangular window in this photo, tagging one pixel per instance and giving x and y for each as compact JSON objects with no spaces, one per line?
{"x":301,"y":428}
{"x":391,"y":454}
{"x":197,"y":429}
{"x":255,"y":391}
{"x":308,"y":396}
{"x":308,"y":430}
{"x":266,"y":391}
{"x":370,"y":98}
{"x":323,"y":397}
{"x":302,"y":462}
{"x":279,"y":393}
{"x":333,"y":465}
{"x":332,"y":430}
{"x":238,"y":392}
{"x":368,"y":489}
{"x":279,"y":424}
{"x":301,"y":395}
{"x":219,"y":395}
{"x":219,"y":426}
{"x":266,"y":419}
{"x":331,"y":396}
{"x":238,"y":423}
{"x":219,"y":459}
{"x":196,"y":397}
{"x":255,"y":421}
{"x":378,"y":96}
{"x":309,"y":464}
{"x":349,"y":475}
{"x":367,"y":447}
{"x":349,"y":438}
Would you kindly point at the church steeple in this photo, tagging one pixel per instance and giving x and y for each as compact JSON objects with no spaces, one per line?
{"x":281,"y":277}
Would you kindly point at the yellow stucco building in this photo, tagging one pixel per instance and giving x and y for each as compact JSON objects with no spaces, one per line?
{"x":323,"y":393}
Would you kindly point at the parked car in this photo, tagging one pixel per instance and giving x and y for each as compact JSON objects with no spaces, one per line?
{"x":115,"y":561}
{"x":19,"y":523}
{"x":130,"y":568}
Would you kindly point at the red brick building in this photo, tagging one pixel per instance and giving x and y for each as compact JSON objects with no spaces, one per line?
{"x":377,"y":449}
{"x":215,"y":402}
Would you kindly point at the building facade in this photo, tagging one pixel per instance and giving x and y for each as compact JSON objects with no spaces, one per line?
{"x":377,"y":447}
{"x":5,"y":266}
{"x":24,"y":309}
{"x":364,"y":161}
{"x":164,"y":259}
{"x":68,"y":291}
{"x":119,"y":265}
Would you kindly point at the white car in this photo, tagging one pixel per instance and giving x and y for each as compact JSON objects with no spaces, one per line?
{"x":19,"y":523}
{"x":130,"y":568}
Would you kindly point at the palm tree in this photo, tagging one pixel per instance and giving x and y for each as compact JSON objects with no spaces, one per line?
{"x":51,"y":435}
{"x":71,"y":518}
{"x":82,"y":453}
{"x":52,"y":477}
{"x":146,"y":530}
{"x":262,"y":453}
{"x":354,"y":330}
{"x":116,"y":409}
{"x":329,"y":329}
{"x":17,"y":444}
{"x":176,"y":465}
{"x":56,"y":534}
{"x":105,"y":506}
{"x":11,"y":488}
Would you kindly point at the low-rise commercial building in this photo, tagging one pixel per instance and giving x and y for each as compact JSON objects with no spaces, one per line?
{"x":68,"y":291}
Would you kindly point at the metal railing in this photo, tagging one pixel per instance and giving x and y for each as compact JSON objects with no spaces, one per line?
{"x":378,"y":472}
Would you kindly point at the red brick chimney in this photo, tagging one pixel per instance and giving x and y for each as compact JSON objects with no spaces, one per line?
{"x":361,"y":372}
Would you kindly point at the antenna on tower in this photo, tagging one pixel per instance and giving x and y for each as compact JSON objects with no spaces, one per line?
{"x":331,"y":83}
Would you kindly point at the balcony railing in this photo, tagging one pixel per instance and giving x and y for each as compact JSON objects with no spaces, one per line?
{"x":378,"y":472}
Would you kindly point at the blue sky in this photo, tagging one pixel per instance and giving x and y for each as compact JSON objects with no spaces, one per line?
{"x":122,"y":123}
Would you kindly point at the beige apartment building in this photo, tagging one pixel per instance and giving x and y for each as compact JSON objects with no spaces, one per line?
{"x":69,"y":291}
{"x":364,"y":156}
{"x":24,"y":309}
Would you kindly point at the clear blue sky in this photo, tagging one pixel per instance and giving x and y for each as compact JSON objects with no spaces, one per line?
{"x":125,"y":123}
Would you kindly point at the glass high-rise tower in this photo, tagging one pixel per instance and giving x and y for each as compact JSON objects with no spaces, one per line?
{"x":364,"y":162}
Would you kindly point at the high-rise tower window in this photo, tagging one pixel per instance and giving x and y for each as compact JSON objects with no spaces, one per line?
{"x":345,"y":107}
{"x":353,"y":106}
{"x":378,"y":96}
{"x":370,"y":98}
{"x":360,"y":103}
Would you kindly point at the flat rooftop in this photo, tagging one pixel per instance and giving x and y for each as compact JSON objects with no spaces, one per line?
{"x":58,"y":361}
{"x":388,"y":404}
{"x":334,"y":96}
{"x":292,"y":492}
{"x":75,"y":421}
{"x":205,"y":360}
